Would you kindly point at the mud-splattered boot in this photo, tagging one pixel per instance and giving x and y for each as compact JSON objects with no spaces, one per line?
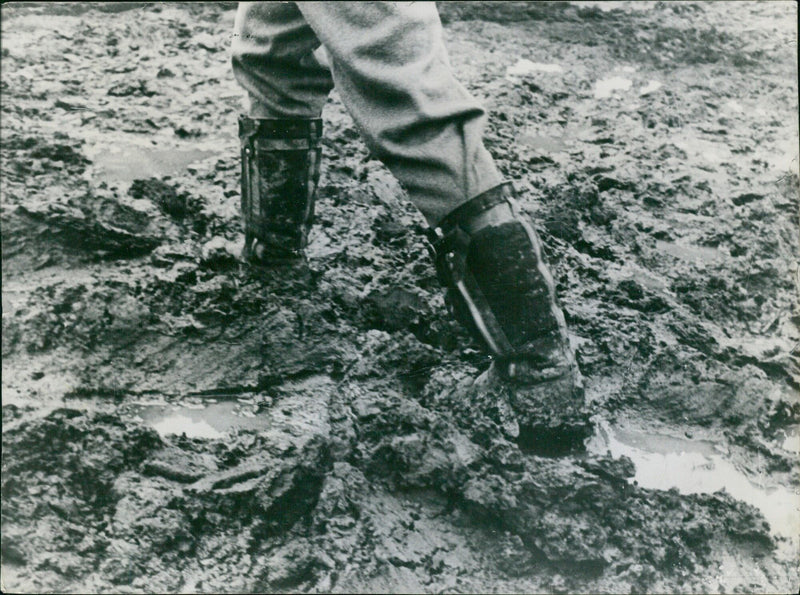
{"x":280,"y":171}
{"x":489,"y":258}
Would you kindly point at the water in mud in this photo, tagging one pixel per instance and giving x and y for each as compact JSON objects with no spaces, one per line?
{"x":605,"y":88}
{"x":666,"y":462}
{"x":124,"y":163}
{"x":692,"y":253}
{"x":206,"y":419}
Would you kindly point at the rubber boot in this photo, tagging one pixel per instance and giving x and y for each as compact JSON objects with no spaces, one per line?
{"x":489,"y":258}
{"x":280,"y":172}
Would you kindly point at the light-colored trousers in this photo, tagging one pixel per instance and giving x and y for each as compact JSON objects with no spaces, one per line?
{"x":390,"y":67}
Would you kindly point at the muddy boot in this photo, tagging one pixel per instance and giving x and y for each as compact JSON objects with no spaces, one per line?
{"x":280,"y":171}
{"x":489,"y":258}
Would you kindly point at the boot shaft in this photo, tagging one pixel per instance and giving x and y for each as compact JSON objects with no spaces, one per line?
{"x":490,"y":259}
{"x":280,"y":173}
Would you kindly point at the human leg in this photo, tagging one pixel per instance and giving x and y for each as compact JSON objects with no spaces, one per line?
{"x":490,"y":259}
{"x":393,"y":74}
{"x":273,"y":60}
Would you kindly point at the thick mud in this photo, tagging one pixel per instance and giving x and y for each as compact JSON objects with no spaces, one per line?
{"x":176,"y":421}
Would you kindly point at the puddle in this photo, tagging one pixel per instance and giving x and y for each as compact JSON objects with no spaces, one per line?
{"x":209,"y":419}
{"x":523,"y":67}
{"x":700,"y":150}
{"x":790,"y":440}
{"x":733,"y":106}
{"x":10,"y":301}
{"x":606,"y":87}
{"x":545,"y":144}
{"x":650,"y":87}
{"x":698,"y":467}
{"x":123,"y":164}
{"x":689,"y":253}
{"x":608,"y":5}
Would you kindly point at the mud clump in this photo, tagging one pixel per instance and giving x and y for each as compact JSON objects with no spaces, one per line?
{"x":36,"y":153}
{"x":554,"y":506}
{"x":259,"y":491}
{"x":161,"y":194}
{"x":77,"y":228}
{"x":63,"y":153}
{"x":505,"y":13}
{"x":396,"y":309}
{"x":137,"y":505}
{"x":60,"y":485}
{"x":140,"y":88}
{"x":179,"y":204}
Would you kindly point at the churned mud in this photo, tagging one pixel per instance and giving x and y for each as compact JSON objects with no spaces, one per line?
{"x":176,"y":421}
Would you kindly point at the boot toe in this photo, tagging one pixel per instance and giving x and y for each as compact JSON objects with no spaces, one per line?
{"x":264,"y":255}
{"x":553,"y":415}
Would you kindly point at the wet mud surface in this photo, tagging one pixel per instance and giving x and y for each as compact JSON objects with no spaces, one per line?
{"x":176,"y":421}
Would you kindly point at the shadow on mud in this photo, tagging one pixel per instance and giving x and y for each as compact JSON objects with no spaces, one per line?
{"x":552,"y":442}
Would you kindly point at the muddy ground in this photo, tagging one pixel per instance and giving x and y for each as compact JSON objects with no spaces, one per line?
{"x":175,"y":421}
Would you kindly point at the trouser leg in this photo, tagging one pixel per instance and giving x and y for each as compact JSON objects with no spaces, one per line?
{"x":273,"y":60}
{"x":392,"y":72}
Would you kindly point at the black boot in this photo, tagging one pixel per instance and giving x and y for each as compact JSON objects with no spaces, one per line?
{"x":490,"y":259}
{"x":280,"y":171}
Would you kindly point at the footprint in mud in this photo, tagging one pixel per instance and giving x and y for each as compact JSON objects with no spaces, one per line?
{"x":297,"y":413}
